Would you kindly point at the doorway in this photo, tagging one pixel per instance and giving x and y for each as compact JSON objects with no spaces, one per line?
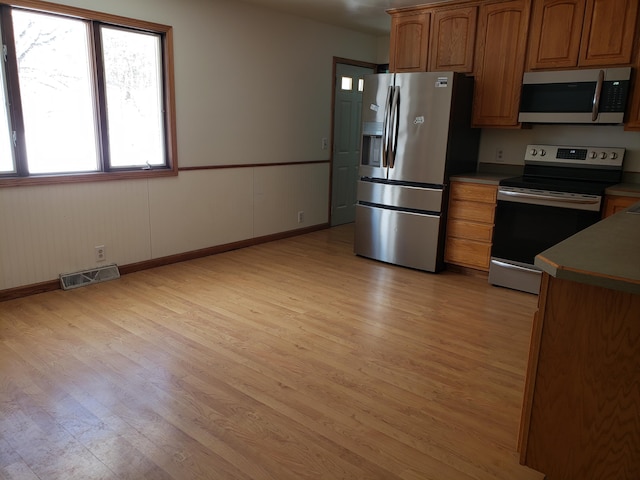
{"x":347,"y":108}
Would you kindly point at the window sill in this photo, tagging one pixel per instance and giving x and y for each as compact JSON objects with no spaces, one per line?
{"x":85,"y":177}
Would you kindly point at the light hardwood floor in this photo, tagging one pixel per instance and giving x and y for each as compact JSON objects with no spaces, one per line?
{"x":288,"y":360}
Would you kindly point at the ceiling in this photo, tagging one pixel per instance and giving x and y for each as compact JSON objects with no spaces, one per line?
{"x":367,"y":16}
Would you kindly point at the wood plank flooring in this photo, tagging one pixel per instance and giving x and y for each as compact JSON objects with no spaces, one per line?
{"x":289,"y":360}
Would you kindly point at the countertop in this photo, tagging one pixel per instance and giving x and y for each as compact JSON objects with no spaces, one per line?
{"x":485,"y":178}
{"x":624,"y":189}
{"x":621,"y":189}
{"x":606,"y":254}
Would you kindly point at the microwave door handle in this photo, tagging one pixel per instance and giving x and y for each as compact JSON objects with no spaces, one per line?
{"x":596,"y":97}
{"x":395,"y":123}
{"x":385,"y":127}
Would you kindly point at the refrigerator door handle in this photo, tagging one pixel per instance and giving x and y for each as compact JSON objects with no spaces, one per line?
{"x":385,"y":127}
{"x":395,"y":122}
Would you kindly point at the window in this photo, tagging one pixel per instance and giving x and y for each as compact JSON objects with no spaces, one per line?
{"x":85,"y":96}
{"x":346,"y":83}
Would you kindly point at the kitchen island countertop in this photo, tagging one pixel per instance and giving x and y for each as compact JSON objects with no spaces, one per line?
{"x":606,"y":254}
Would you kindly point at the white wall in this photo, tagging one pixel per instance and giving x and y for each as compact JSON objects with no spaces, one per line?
{"x":383,"y":49}
{"x":252,"y":86}
{"x":513,"y":143}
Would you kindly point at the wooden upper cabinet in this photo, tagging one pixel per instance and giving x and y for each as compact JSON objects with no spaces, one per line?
{"x":555,"y":34}
{"x":500,"y":52}
{"x":409,"y":42}
{"x":453,"y":37}
{"x":581,"y":33}
{"x":608,"y":33}
{"x":633,"y":115}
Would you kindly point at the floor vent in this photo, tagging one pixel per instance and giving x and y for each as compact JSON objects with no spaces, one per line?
{"x":87,"y":277}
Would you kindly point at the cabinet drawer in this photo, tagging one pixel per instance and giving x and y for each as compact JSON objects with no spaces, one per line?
{"x":468,"y":253}
{"x":473,"y":192}
{"x":474,"y":211}
{"x":482,"y":232}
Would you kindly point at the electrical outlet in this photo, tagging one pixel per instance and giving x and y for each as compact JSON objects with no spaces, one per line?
{"x":325,"y":143}
{"x":100,"y":253}
{"x":301,"y":217}
{"x":499,"y":155}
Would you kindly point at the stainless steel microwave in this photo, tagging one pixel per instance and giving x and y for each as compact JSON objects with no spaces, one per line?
{"x":597,"y":96}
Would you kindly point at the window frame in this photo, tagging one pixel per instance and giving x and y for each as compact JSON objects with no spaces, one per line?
{"x":95,"y":19}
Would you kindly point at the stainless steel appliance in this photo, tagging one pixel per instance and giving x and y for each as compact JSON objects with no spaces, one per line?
{"x":416,"y":131}
{"x":575,"y":96}
{"x":559,"y":194}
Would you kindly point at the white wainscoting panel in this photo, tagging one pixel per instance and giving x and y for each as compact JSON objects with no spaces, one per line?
{"x":49,"y":230}
{"x":200,"y":209}
{"x":283,"y":191}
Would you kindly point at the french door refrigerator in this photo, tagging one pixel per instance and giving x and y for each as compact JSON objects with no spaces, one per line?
{"x":416,"y":132}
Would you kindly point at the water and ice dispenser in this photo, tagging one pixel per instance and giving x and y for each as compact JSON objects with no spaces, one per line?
{"x":372,"y":143}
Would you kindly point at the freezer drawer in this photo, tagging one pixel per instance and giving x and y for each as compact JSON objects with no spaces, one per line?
{"x":402,"y":238}
{"x":401,"y":196}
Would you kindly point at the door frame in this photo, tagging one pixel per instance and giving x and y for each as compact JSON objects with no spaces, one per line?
{"x":336,"y":61}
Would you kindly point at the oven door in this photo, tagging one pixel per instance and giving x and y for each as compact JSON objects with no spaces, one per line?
{"x":526,"y":226}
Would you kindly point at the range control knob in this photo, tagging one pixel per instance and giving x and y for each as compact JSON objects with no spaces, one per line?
{"x":533,"y":152}
{"x":593,"y":155}
{"x":543,"y":152}
{"x":613,"y":155}
{"x":603,"y":155}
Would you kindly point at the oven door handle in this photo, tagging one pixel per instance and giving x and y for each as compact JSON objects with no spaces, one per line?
{"x":511,"y":266}
{"x":549,"y":198}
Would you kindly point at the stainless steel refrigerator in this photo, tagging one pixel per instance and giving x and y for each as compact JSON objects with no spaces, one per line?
{"x":416,"y":132}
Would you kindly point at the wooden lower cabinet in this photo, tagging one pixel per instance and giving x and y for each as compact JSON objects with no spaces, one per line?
{"x":470,"y":225}
{"x":615,"y":203}
{"x":632,"y":122}
{"x":581,"y":414}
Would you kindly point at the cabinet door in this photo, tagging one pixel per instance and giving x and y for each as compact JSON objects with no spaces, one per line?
{"x":501,"y":47}
{"x":633,"y":120}
{"x":409,"y":42}
{"x":453,"y":38}
{"x":614,"y":204}
{"x":608,"y":33}
{"x":554,"y":36}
